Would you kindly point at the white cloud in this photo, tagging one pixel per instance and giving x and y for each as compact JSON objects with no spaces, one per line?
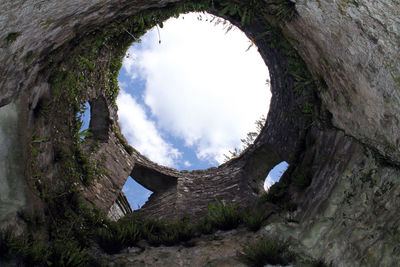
{"x":129,"y":63}
{"x":202,"y":86}
{"x":135,"y":123}
{"x":268,"y":182}
{"x":187,"y":163}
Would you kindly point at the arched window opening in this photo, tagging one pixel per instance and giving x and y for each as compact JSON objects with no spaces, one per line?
{"x":83,"y":117}
{"x":136,"y":194}
{"x":275,"y":174}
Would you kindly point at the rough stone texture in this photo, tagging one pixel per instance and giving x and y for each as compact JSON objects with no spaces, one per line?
{"x":214,"y":250}
{"x":118,"y":162}
{"x":349,"y":213}
{"x":354,"y":47}
{"x":45,"y":26}
{"x":12,"y":182}
{"x":120,"y":208}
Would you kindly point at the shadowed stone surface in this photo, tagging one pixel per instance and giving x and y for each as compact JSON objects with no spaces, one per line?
{"x":100,"y":119}
{"x":152,"y":179}
{"x":12,"y":183}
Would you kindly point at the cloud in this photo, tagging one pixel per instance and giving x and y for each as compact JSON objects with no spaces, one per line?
{"x":187,"y":163}
{"x":142,"y":133}
{"x":268,"y":182}
{"x":201,"y":85}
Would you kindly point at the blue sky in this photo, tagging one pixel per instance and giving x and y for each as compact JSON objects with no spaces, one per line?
{"x":275,"y":174}
{"x":195,"y":95}
{"x":187,"y":101}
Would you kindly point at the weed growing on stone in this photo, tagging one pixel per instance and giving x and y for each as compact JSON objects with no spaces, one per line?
{"x":283,"y":10}
{"x":26,"y":251}
{"x":112,"y":237}
{"x":223,"y":216}
{"x":254,"y":220}
{"x":171,"y":233}
{"x":115,"y":236}
{"x":248,"y":141}
{"x":122,"y":140}
{"x":295,"y":65}
{"x":397,"y":81}
{"x":297,"y":68}
{"x":272,"y":251}
{"x":7,"y":241}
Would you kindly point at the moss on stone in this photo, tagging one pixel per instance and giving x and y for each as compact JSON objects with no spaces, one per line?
{"x":12,"y":37}
{"x":397,"y":81}
{"x":122,"y":140}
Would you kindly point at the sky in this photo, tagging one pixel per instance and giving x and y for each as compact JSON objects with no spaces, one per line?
{"x":275,"y":174}
{"x":188,"y":93}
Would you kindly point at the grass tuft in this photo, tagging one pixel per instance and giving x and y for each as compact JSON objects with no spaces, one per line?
{"x":266,"y":251}
{"x":254,"y":220}
{"x":223,"y":216}
{"x":112,"y":237}
{"x":7,"y":241}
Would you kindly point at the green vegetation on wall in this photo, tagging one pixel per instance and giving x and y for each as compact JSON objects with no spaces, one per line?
{"x":12,"y":36}
{"x":276,"y":252}
{"x":114,"y":236}
{"x":73,"y":233}
{"x":267,"y":251}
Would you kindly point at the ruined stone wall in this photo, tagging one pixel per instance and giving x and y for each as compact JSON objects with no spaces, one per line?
{"x":349,"y":213}
{"x":352,"y":46}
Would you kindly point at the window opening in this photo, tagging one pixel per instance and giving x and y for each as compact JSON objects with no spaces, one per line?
{"x":275,"y":174}
{"x":136,"y":194}
{"x":84,"y":117}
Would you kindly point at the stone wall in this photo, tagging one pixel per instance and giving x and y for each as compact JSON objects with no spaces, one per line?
{"x":12,"y":183}
{"x":352,"y":45}
{"x":349,"y":213}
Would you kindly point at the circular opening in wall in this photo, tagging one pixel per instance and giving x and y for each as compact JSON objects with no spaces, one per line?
{"x":190,"y":92}
{"x":193,"y":94}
